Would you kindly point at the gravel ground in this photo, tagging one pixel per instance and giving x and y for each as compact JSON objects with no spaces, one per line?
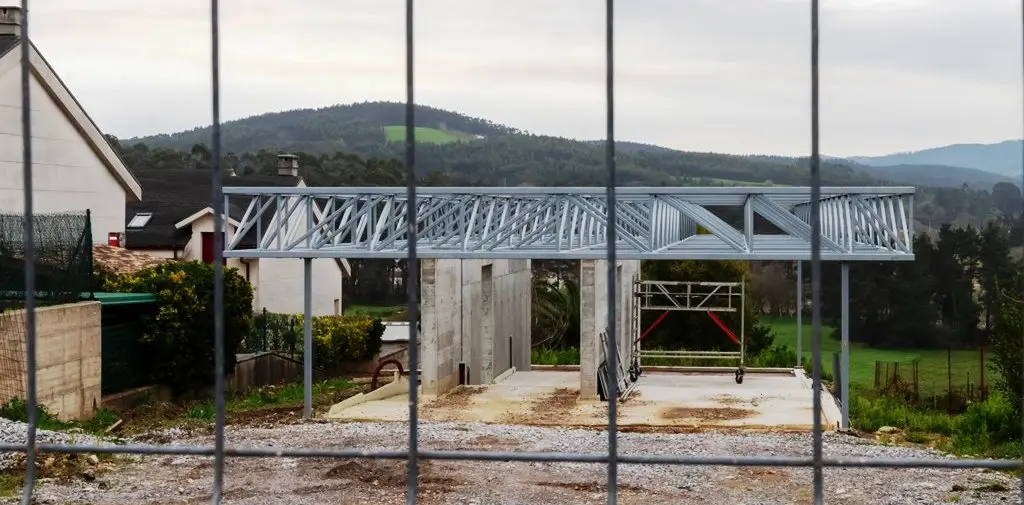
{"x":279,"y":481}
{"x":14,"y":432}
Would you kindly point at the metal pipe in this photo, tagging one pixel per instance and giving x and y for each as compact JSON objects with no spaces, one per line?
{"x":307,"y":338}
{"x":844,"y":363}
{"x":799,"y":314}
{"x":679,"y":369}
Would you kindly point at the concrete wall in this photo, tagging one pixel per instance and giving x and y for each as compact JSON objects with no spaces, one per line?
{"x":67,"y":173}
{"x":68,"y":358}
{"x":469,"y":309}
{"x":594,"y":318}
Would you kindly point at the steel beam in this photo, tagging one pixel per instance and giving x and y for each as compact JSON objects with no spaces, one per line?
{"x":859,"y":224}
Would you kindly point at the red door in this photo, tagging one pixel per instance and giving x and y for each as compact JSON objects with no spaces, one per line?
{"x":208,"y":249}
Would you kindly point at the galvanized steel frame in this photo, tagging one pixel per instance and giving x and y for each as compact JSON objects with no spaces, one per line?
{"x":818,"y":237}
{"x":862,"y":223}
{"x":680,"y":296}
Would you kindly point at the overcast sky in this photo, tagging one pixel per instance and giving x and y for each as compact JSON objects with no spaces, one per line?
{"x":703,"y":75}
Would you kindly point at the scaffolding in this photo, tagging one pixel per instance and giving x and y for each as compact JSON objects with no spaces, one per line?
{"x":669,"y":296}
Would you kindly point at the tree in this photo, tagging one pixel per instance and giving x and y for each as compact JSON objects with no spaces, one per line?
{"x":1007,"y":198}
{"x":772,"y":289}
{"x":1008,"y":344}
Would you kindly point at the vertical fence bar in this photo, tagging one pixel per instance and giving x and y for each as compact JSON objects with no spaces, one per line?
{"x":412,"y":281}
{"x":218,"y":255}
{"x":30,"y":257}
{"x":815,"y":162}
{"x":1021,"y":280}
{"x":612,"y":341}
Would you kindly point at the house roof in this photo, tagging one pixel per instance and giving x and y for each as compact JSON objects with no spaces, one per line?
{"x":61,"y":95}
{"x":174,"y":196}
{"x":123,"y":261}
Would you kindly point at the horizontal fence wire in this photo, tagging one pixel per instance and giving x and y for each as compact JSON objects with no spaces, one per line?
{"x":414,"y":454}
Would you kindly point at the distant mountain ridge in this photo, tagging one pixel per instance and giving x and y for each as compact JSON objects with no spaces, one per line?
{"x":1003,"y":158}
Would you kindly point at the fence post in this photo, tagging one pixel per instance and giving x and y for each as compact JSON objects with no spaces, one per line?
{"x":983,"y":394}
{"x":949,"y":378}
{"x":264,"y":342}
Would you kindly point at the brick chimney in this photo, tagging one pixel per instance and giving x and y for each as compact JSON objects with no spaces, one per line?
{"x":287,"y":165}
{"x":10,"y":21}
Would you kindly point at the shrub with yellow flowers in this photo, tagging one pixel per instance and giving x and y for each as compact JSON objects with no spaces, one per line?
{"x":343,"y":339}
{"x":180,"y":334}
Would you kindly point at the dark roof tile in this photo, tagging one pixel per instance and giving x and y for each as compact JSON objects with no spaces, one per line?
{"x":173,"y":195}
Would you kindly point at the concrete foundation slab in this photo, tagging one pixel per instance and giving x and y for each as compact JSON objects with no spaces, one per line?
{"x":669,"y":401}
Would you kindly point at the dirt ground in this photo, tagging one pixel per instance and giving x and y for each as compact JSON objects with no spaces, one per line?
{"x":165,"y":480}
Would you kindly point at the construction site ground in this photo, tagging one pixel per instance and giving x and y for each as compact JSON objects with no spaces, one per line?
{"x":165,"y":480}
{"x":536,"y":412}
{"x":662,"y":401}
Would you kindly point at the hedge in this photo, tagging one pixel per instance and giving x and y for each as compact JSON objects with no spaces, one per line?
{"x":179,"y":337}
{"x":336,"y":339}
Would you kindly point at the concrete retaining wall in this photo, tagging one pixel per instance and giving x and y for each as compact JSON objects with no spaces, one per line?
{"x":68,"y":358}
{"x":469,"y":311}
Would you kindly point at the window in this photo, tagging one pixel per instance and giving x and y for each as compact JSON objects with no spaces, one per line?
{"x":140,"y":220}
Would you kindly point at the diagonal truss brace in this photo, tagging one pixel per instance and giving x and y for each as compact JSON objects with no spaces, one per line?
{"x":858,"y":224}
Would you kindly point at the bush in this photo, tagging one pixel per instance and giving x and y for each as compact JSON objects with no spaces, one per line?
{"x":341,"y":339}
{"x":180,"y":336}
{"x":780,"y":356}
{"x":986,"y":426}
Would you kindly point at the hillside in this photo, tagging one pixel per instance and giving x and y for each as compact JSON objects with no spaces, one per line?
{"x":1003,"y":158}
{"x":477,"y":151}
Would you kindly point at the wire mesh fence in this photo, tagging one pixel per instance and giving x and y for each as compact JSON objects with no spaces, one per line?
{"x":943,"y":379}
{"x":61,"y":256}
{"x":415,"y":453}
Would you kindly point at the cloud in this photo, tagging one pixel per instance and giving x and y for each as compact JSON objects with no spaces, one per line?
{"x":707,"y":75}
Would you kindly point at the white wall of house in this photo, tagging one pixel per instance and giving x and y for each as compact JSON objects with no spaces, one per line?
{"x":277,"y":283}
{"x":281,"y":286}
{"x":68,"y":174}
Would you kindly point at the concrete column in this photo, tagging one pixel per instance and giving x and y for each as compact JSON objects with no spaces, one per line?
{"x":486,"y":335}
{"x":593,"y":320}
{"x":440,"y":309}
{"x":627,"y":272}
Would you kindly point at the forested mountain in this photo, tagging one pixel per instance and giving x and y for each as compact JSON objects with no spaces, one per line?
{"x":1003,"y":158}
{"x":480,"y":152}
{"x":364,"y":144}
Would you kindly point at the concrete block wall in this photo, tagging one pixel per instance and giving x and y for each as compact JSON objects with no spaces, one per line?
{"x":469,"y":309}
{"x":594,"y":317}
{"x":68,"y":358}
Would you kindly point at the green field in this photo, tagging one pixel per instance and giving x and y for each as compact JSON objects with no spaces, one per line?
{"x":423,"y":134}
{"x":731,"y":182}
{"x":965,"y":365}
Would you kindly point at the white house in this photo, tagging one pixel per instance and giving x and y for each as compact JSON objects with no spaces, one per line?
{"x":74,"y":167}
{"x":175,"y":220}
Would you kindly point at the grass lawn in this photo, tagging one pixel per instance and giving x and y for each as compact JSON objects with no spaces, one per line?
{"x":385,"y":312}
{"x":423,"y":134}
{"x":933,"y":369}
